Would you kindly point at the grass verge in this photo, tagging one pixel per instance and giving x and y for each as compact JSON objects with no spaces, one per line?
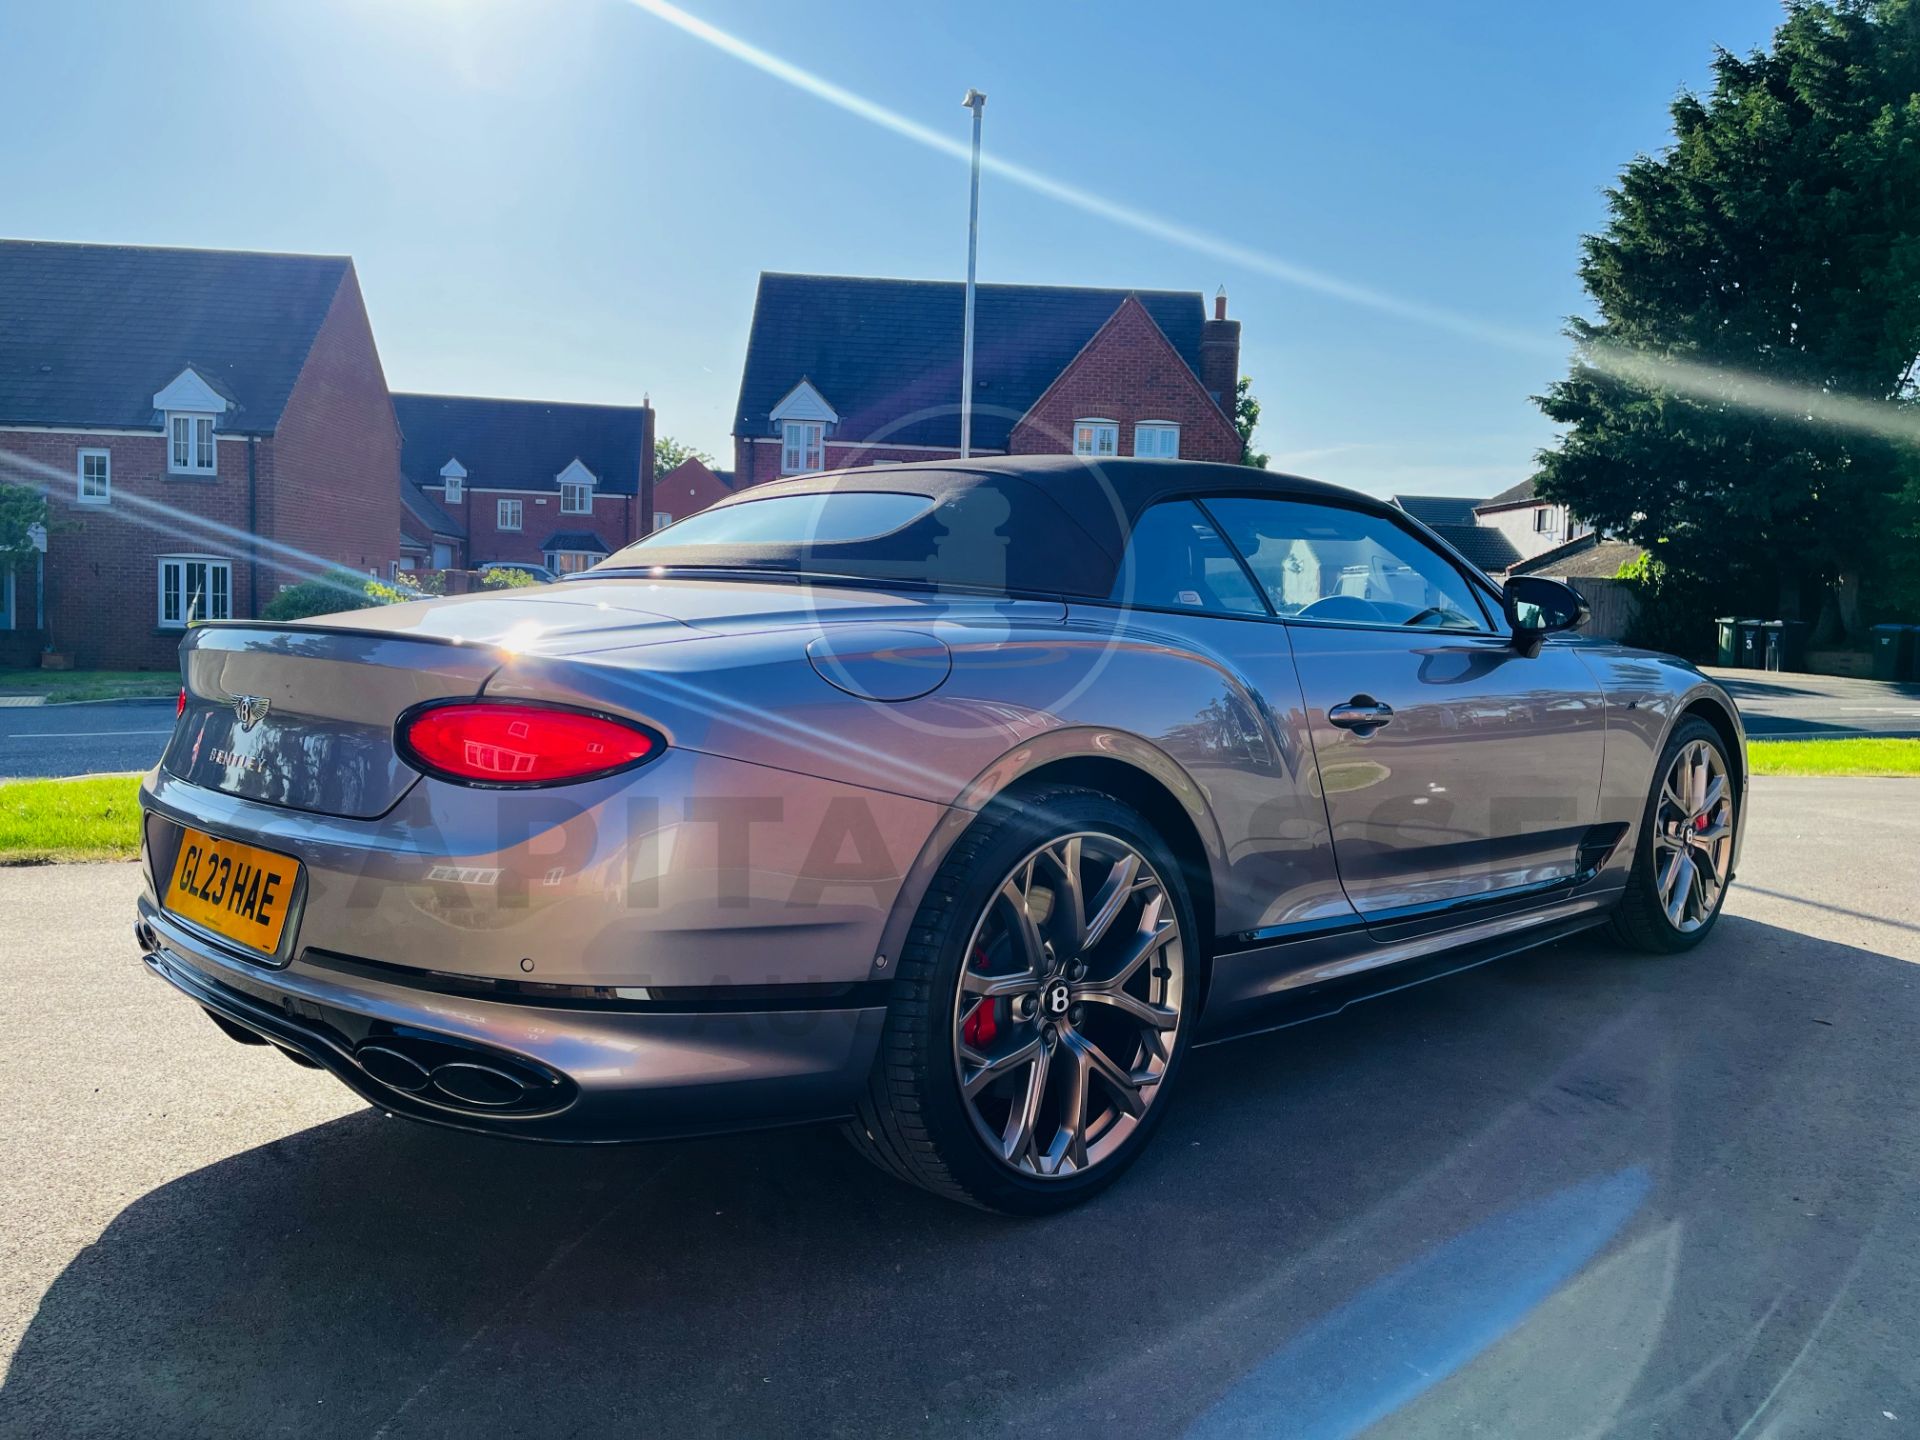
{"x":1834,"y":757}
{"x":92,"y":818}
{"x":64,"y":686}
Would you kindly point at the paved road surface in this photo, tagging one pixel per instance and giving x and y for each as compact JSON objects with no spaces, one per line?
{"x":82,"y":739}
{"x":1575,"y":1193}
{"x":1777,"y":706}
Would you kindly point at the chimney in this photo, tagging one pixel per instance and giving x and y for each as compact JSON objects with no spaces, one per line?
{"x":1220,"y":355}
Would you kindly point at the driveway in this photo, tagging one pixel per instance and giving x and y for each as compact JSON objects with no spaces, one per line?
{"x":1579,"y":1192}
{"x":41,"y":740}
{"x":1782,"y":706}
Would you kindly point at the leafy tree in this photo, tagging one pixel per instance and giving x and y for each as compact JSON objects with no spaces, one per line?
{"x":1739,"y":404}
{"x":1246,"y":415}
{"x":21,"y":508}
{"x":669,"y":452}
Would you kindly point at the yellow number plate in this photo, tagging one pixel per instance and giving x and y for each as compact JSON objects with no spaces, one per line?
{"x":234,"y":890}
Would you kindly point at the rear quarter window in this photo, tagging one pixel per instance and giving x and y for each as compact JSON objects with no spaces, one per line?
{"x":827,"y":518}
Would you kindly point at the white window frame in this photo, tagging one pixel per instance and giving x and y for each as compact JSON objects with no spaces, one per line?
{"x":105,"y":497}
{"x":184,"y":598}
{"x":662,"y":519}
{"x":555,"y":560}
{"x":1097,"y":429}
{"x":1157,"y":427}
{"x":1543,"y":520}
{"x":572,"y":491}
{"x":504,"y":508}
{"x":453,"y":485}
{"x":198,"y":444}
{"x":803,"y":446}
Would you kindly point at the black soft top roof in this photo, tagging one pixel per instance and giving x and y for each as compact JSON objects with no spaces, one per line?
{"x":1051,"y":525}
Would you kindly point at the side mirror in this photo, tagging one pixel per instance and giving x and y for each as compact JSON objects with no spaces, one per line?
{"x":1536,"y":607}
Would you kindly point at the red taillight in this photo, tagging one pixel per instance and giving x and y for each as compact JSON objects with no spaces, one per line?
{"x":180,"y":708}
{"x":508,"y":744}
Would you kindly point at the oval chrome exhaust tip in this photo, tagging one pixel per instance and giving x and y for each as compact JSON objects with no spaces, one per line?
{"x":390,"y":1067}
{"x":473,"y":1084}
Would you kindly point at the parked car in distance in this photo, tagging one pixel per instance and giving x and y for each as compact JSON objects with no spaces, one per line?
{"x":953,"y":802}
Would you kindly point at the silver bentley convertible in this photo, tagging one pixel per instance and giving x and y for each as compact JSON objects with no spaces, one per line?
{"x":954,"y":802}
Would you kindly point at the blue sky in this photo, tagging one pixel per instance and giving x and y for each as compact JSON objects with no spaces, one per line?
{"x":572,"y":199}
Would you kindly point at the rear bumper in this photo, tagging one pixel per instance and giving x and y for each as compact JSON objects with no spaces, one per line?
{"x":579,"y":1072}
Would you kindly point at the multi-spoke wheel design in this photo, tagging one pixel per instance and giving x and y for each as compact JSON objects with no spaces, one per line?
{"x":1040,"y":1015}
{"x":1069,"y":1004}
{"x":1693,"y":836}
{"x":1683,"y":859}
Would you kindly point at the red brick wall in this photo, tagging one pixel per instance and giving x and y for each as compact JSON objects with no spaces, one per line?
{"x":1128,"y":372}
{"x":613,"y":520}
{"x":331,"y":472}
{"x":102,"y":560}
{"x":687,"y":489}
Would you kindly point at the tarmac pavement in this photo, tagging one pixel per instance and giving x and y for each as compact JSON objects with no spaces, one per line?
{"x":1580,"y":1192}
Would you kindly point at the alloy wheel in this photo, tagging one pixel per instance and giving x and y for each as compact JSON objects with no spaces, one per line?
{"x":1069,"y":1005}
{"x":1693,"y":836}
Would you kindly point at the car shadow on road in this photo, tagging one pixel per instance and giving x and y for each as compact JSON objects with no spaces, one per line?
{"x":1575,"y":1191}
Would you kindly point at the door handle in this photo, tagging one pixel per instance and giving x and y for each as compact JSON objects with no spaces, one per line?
{"x":1363,"y":715}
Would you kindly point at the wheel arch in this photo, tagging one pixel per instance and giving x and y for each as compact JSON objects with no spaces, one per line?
{"x":1717,"y":713}
{"x":1132,"y":770}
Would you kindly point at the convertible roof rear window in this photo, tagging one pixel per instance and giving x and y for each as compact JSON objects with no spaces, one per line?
{"x":827,"y":518}
{"x":1053,"y":525}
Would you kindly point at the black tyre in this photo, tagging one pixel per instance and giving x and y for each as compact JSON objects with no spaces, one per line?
{"x":1684,"y":858}
{"x":1041,"y":1010}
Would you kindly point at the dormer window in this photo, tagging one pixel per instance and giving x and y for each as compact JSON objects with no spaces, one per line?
{"x":453,"y":475}
{"x":802,"y":446}
{"x":576,"y":489}
{"x":455,"y":490}
{"x":190,"y":444}
{"x":802,"y":418}
{"x":190,"y":406}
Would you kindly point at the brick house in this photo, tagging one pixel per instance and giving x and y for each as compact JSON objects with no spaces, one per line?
{"x":207,"y":425}
{"x":845,"y":371}
{"x":689,"y":487}
{"x":530,"y":480}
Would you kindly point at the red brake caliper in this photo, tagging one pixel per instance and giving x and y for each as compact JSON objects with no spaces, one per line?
{"x":983,"y":1025}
